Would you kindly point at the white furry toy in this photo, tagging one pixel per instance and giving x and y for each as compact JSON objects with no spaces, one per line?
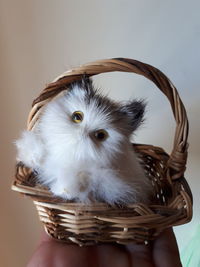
{"x":81,"y":148}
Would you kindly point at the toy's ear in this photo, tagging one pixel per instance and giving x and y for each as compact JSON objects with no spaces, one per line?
{"x":134,"y":111}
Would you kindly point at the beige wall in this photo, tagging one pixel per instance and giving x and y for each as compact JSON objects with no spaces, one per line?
{"x":40,"y":39}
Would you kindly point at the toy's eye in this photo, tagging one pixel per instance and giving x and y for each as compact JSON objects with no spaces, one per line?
{"x":101,"y":135}
{"x":77,"y":116}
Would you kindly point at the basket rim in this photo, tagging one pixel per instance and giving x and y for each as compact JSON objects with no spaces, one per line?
{"x":36,"y":193}
{"x":156,"y":153}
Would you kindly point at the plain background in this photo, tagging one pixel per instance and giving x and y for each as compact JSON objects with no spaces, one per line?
{"x":40,"y":39}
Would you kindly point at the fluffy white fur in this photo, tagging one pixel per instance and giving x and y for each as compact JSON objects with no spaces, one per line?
{"x":72,"y":165}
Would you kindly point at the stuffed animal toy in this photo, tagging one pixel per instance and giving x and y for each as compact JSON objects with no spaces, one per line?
{"x":81,"y":149}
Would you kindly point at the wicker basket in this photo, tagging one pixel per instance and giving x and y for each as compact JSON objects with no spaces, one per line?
{"x":99,"y":223}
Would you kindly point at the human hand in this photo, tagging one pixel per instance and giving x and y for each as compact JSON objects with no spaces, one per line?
{"x":163,"y":252}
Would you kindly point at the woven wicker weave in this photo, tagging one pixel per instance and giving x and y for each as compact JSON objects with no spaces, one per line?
{"x":97,"y":223}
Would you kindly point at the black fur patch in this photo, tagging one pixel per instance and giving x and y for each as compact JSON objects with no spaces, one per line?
{"x":126,"y":118}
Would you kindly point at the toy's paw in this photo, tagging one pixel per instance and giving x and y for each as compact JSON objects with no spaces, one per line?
{"x":83,"y":178}
{"x":59,"y":190}
{"x":30,"y":149}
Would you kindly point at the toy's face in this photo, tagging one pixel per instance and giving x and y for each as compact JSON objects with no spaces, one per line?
{"x":88,"y":124}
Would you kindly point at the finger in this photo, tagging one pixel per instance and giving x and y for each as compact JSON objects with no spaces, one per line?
{"x":113,"y":255}
{"x":140,"y":255}
{"x":51,"y":253}
{"x":165,"y":250}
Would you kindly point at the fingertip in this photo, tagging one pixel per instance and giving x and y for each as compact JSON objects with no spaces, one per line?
{"x":165,"y":250}
{"x":44,"y":236}
{"x":140,"y":254}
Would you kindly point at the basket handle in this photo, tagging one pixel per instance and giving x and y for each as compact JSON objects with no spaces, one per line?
{"x":178,"y":156}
